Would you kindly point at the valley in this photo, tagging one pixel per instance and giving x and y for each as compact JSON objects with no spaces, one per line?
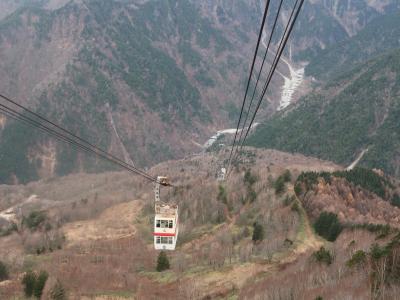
{"x":124,"y":91}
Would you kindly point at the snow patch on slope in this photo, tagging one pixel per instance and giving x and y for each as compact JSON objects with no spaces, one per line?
{"x":290,"y":86}
{"x":214,"y":138}
{"x":290,"y":83}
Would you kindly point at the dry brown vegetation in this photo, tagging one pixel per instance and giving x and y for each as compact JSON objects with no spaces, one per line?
{"x":352,"y":204}
{"x":106,"y":220}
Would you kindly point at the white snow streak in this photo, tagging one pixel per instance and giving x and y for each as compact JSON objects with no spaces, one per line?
{"x":290,"y":84}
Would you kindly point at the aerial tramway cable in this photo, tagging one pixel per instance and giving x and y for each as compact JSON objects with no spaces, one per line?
{"x":20,"y":117}
{"x":281,"y":48}
{"x":289,"y":27}
{"x":249,"y":79}
{"x":76,"y":140}
{"x":261,"y":68}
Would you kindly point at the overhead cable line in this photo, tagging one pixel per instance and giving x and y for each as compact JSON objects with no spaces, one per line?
{"x":21,"y":117}
{"x":70,"y":138}
{"x":261,"y":68}
{"x":249,"y":79}
{"x":285,"y":37}
{"x":275,"y":63}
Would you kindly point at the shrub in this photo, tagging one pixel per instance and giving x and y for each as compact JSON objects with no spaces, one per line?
{"x":279,"y":185}
{"x":323,"y":256}
{"x":395,"y":201}
{"x":245,"y":232}
{"x":220,"y":216}
{"x":297,"y":188}
{"x":35,"y":219}
{"x":258,"y":232}
{"x":8,"y":230}
{"x":58,"y":292}
{"x":222,"y":195}
{"x":358,"y":258}
{"x":162,"y":262}
{"x":377,"y":251}
{"x":328,"y":226}
{"x":29,"y":281}
{"x":249,"y":179}
{"x":287,"y":176}
{"x":40,"y":283}
{"x":251,"y":195}
{"x":3,"y":271}
{"x":295,"y":207}
{"x":288,"y":200}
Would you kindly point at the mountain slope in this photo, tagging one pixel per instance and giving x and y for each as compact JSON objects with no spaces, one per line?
{"x":359,"y":110}
{"x":144,"y":75}
{"x":146,"y":80}
{"x":380,"y":35}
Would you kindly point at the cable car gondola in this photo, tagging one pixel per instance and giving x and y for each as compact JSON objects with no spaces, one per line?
{"x":166,"y":226}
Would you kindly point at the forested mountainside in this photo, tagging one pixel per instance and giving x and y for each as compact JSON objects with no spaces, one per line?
{"x":357,"y":111}
{"x":377,"y":37}
{"x":146,"y":80}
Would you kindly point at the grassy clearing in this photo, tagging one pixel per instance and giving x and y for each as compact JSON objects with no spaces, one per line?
{"x":161,"y":277}
{"x":114,"y":295}
{"x":32,"y":261}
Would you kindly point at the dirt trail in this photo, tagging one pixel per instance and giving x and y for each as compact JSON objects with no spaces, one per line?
{"x":115,"y":222}
{"x":306,"y":238}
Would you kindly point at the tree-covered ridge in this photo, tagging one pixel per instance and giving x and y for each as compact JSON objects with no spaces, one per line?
{"x":153,"y":75}
{"x":359,"y":110}
{"x":366,"y":179}
{"x":378,"y":36}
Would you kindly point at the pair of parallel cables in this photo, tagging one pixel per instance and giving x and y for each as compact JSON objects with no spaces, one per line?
{"x":16,"y":111}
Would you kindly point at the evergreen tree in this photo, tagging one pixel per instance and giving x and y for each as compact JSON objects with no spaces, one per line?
{"x":328,"y":226}
{"x":258,"y":232}
{"x":222,"y":195}
{"x":58,"y":292}
{"x":279,"y":185}
{"x":40,"y":283}
{"x":29,"y":282}
{"x":162,"y":262}
{"x":287,"y":176}
{"x":3,"y":271}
